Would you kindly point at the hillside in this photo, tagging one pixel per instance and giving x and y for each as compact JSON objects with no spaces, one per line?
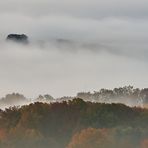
{"x":74,"y":124}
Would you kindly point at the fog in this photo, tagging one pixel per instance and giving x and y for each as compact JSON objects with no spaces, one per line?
{"x":36,"y":69}
{"x":74,"y":46}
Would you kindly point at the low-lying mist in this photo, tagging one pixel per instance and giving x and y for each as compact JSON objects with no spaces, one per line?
{"x":72,"y":51}
{"x":128,"y":95}
{"x":64,"y":67}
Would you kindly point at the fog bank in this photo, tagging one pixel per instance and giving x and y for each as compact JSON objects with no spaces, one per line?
{"x":74,"y":46}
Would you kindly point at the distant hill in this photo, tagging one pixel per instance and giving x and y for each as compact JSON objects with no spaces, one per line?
{"x":20,"y":38}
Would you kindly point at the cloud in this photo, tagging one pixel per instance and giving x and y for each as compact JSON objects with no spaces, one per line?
{"x":118,"y":35}
{"x":75,"y":45}
{"x":32,"y":70}
{"x":79,"y":8}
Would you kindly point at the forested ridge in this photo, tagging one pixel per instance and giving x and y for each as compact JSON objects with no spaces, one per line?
{"x":74,"y":124}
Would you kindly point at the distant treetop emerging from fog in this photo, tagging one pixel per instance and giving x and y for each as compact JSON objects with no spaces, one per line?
{"x":21,"y":38}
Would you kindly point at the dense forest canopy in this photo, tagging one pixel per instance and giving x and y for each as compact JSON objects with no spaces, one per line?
{"x":74,"y":124}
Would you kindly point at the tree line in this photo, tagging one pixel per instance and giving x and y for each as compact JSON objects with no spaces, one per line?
{"x":127,"y":95}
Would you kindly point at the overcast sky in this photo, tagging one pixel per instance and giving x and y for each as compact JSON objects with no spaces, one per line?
{"x":104,"y":44}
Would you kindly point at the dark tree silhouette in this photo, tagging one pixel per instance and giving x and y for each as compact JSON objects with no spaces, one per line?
{"x":21,"y":38}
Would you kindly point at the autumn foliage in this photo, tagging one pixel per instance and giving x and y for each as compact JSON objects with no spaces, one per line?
{"x":74,"y":124}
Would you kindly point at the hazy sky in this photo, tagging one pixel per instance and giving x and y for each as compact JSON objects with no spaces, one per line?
{"x":104,"y":45}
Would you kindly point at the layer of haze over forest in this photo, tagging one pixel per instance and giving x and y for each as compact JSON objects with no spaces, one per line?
{"x":127,"y":95}
{"x":74,"y":46}
{"x":68,"y":84}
